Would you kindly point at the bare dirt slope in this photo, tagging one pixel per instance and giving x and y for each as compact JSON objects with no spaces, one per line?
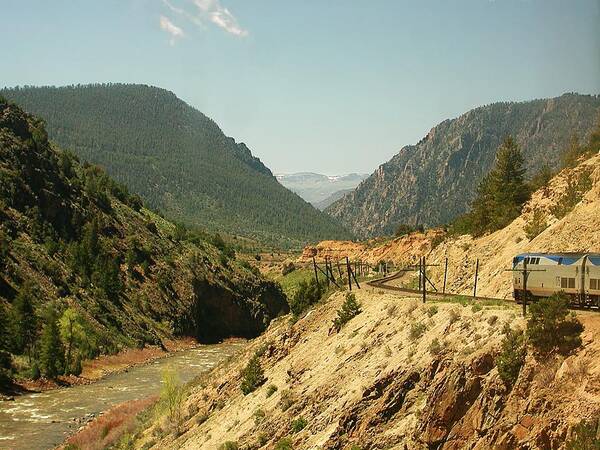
{"x":399,"y":375}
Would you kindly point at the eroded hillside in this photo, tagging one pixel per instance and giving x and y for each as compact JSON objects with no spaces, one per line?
{"x":399,"y":375}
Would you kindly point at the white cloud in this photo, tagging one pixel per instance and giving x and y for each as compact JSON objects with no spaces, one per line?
{"x":210,"y":11}
{"x":171,"y":28}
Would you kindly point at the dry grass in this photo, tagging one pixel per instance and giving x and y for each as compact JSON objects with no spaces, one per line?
{"x":107,"y":429}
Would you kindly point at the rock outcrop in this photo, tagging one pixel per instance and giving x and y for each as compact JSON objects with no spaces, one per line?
{"x":434,"y":181}
{"x":381,"y":383}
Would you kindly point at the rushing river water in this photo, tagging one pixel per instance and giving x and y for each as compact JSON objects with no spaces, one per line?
{"x":42,"y":421}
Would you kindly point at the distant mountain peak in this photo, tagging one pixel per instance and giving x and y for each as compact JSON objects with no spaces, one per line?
{"x":316,"y":188}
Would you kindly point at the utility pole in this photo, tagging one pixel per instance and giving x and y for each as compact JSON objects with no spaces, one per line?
{"x":476,"y":274}
{"x":316,"y":274}
{"x":424,"y":278}
{"x":445,"y":275}
{"x":349,"y":276}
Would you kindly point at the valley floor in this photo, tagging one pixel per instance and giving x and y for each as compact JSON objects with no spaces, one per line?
{"x":399,"y":375}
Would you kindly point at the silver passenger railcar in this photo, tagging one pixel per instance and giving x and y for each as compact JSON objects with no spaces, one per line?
{"x":575,"y":274}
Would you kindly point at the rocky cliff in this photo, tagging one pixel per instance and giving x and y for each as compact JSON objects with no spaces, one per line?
{"x":434,"y":181}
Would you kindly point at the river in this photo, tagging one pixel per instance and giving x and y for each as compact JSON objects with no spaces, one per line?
{"x":44,"y":420}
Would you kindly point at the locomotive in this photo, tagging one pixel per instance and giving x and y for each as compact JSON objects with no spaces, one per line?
{"x":577,"y":275}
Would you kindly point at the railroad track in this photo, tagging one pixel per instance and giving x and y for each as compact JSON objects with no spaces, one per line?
{"x":381,"y":284}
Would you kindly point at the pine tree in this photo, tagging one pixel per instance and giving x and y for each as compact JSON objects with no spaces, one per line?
{"x":107,"y":276}
{"x":350,"y":309}
{"x":5,"y":337}
{"x":51,"y":349}
{"x":573,"y":153}
{"x":252,"y":376}
{"x":507,"y":182}
{"x":502,"y":193}
{"x":25,"y":319}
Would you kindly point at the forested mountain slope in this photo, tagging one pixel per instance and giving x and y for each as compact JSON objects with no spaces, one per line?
{"x":72,"y":239}
{"x":434,"y":181}
{"x":176,"y":158}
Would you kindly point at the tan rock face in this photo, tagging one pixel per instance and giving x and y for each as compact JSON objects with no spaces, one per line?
{"x":402,"y":250}
{"x":375,"y":386}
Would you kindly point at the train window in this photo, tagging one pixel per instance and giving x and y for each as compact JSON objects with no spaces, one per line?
{"x":594,"y":283}
{"x":564,"y":283}
{"x":571,"y":283}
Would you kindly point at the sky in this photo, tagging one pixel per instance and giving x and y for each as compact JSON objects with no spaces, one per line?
{"x":329,"y":86}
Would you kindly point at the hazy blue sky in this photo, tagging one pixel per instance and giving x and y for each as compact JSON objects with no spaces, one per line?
{"x":330,"y":86}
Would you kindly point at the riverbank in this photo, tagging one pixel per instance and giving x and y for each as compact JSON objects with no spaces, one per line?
{"x":102,"y":366}
{"x":45,"y":420}
{"x":110,"y":426}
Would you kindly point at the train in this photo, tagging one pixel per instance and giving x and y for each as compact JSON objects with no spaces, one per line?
{"x":577,"y":275}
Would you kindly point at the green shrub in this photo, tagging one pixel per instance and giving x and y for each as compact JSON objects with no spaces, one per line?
{"x":584,"y":437}
{"x":437,"y":240}
{"x":435,"y":348}
{"x":35,"y":371}
{"x":284,"y":444}
{"x":286,"y":400}
{"x":432,"y":311}
{"x":551,"y":326}
{"x":454,"y":315}
{"x":476,"y":307}
{"x":4,"y":247}
{"x":271,"y":389}
{"x":229,"y":445}
{"x":259,"y":416}
{"x":287,"y":268}
{"x":307,"y":294}
{"x":576,"y":188}
{"x":512,"y":356}
{"x":252,"y":376}
{"x":171,"y":396}
{"x":404,"y":229}
{"x":416,"y":330}
{"x":536,"y":224}
{"x":299,"y":424}
{"x":350,"y":309}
